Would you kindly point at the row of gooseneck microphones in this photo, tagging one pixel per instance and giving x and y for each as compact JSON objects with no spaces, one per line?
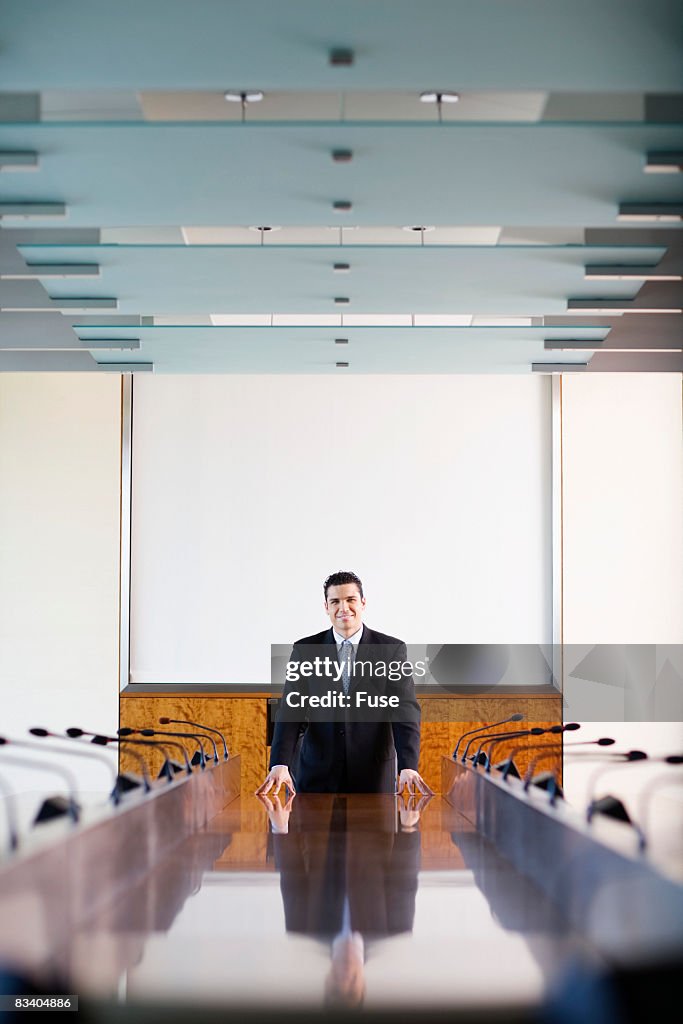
{"x":68,"y":806}
{"x":608,"y":805}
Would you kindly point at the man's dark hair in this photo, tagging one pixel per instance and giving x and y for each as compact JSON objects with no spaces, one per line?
{"x":338,"y":579}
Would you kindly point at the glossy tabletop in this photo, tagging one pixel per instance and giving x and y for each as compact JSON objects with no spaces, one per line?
{"x":341,"y":900}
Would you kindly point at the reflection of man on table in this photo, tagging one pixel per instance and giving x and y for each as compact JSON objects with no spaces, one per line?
{"x":347,"y":756}
{"x":347,"y":878}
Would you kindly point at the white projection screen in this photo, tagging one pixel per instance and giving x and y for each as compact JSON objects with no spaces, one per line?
{"x":249,"y":490}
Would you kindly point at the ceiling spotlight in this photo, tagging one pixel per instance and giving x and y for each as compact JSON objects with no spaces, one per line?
{"x":254,"y":96}
{"x":419,"y":229}
{"x":439,"y":97}
{"x":341,"y":341}
{"x":342,"y":365}
{"x":263,"y":229}
{"x":342,"y":206}
{"x":342,"y":156}
{"x":341,"y":57}
{"x":341,"y":268}
{"x":244,"y":97}
{"x":341,"y":300}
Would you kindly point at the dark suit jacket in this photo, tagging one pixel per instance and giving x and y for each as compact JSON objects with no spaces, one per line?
{"x":350,"y":756}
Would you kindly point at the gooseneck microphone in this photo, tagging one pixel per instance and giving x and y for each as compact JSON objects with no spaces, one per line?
{"x":51,"y":806}
{"x":517,"y":717}
{"x":10,"y":815}
{"x":553,"y":730}
{"x":120,"y":782}
{"x":190,"y":736}
{"x":91,"y":755}
{"x":495,"y":737}
{"x":535,"y":731}
{"x":196,"y":725}
{"x":167,"y":769}
{"x":658,"y":783}
{"x":127,"y":731}
{"x":102,"y":741}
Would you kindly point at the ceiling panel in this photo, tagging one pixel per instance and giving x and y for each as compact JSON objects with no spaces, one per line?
{"x":420,"y":174}
{"x":265,"y":44}
{"x":369,"y":350}
{"x":560,"y":105}
{"x":501,"y":281}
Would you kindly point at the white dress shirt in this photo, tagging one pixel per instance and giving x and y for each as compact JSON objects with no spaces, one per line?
{"x":354,"y":638}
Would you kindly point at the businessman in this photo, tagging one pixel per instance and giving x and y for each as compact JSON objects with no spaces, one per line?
{"x":348,"y":754}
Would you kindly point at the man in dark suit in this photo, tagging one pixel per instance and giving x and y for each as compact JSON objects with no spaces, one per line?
{"x":352,"y":753}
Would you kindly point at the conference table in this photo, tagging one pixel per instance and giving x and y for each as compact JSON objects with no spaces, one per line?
{"x":202,"y":895}
{"x":241,"y":916}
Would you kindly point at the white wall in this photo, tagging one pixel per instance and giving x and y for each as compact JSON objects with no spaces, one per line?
{"x":249,"y":490}
{"x":623,"y":556}
{"x":623,"y":508}
{"x":59,"y":553}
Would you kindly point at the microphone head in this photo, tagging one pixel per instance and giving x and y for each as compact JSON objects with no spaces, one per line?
{"x":39,"y":732}
{"x":3,"y":741}
{"x":537,"y":731}
{"x":556,"y":728}
{"x":164,"y":720}
{"x":126,"y":731}
{"x":517,"y":717}
{"x":636,"y":755}
{"x":605,"y":741}
{"x":101,"y":741}
{"x":147,"y":732}
{"x":572,"y":726}
{"x":674,"y":759}
{"x":74,"y":733}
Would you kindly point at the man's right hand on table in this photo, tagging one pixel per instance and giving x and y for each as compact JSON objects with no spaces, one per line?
{"x":277,"y":777}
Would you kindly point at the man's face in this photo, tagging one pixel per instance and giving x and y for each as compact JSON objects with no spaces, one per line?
{"x":344,"y":605}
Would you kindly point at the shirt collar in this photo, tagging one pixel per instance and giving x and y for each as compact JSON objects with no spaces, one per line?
{"x":354,"y":638}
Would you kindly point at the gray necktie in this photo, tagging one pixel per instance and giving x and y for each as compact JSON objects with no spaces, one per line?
{"x":346,"y":660}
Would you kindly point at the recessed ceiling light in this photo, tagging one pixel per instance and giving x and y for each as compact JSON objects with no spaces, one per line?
{"x":341,"y":268}
{"x":253,"y":96}
{"x":342,"y":365}
{"x":439,"y":97}
{"x":342,"y":206}
{"x":342,"y":156}
{"x":341,"y":300}
{"x":341,"y":341}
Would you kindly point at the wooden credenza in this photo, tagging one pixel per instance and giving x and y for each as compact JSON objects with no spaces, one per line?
{"x":242,"y":717}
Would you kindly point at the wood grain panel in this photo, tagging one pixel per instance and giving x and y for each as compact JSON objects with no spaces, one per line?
{"x":444,"y":720}
{"x":242,"y":721}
